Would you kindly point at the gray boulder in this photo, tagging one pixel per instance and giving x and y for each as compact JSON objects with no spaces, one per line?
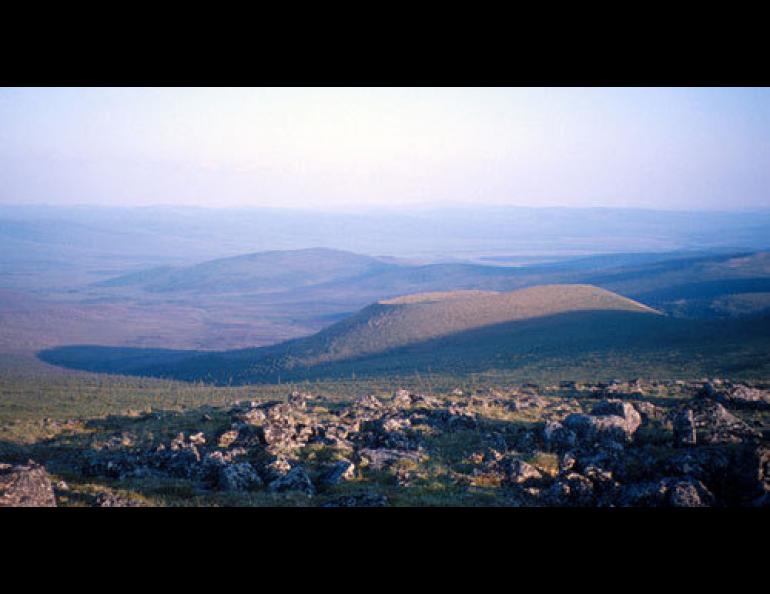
{"x":666,"y":492}
{"x":239,"y":476}
{"x":378,"y":459}
{"x":295,"y":480}
{"x":518,"y":472}
{"x":611,"y":420}
{"x":744,"y":397}
{"x":344,"y":470}
{"x":715,"y":424}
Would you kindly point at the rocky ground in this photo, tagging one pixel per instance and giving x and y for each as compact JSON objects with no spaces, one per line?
{"x":680,"y":444}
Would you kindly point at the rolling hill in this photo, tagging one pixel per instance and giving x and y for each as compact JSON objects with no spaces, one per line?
{"x":260,"y":272}
{"x":453,"y":330}
{"x":684,"y":284}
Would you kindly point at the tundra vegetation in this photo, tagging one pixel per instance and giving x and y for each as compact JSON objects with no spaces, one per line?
{"x":431,"y":440}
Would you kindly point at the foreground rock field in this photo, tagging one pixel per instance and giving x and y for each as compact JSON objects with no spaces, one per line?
{"x":622,"y":444}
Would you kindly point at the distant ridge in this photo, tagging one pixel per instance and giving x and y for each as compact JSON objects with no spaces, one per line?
{"x":270,"y":271}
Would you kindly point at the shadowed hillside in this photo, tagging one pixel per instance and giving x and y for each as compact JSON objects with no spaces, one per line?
{"x":460,"y":328}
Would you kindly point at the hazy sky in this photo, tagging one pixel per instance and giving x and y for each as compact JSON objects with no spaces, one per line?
{"x":329,"y":148}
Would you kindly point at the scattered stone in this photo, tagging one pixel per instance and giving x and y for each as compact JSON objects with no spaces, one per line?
{"x":26,"y":485}
{"x":722,"y":459}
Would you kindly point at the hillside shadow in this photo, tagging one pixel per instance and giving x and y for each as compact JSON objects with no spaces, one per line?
{"x":108,"y":359}
{"x":593,"y":342}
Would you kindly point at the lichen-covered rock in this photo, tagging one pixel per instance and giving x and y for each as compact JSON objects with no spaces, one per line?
{"x":252,"y":416}
{"x":611,"y":421}
{"x":740,"y":396}
{"x":239,"y":476}
{"x":689,"y":493}
{"x":649,"y":411}
{"x":557,"y":436}
{"x":296,"y":479}
{"x":715,"y":424}
{"x":378,"y":459}
{"x":387,"y":432}
{"x":518,"y":472}
{"x":26,"y":485}
{"x":343,"y":470}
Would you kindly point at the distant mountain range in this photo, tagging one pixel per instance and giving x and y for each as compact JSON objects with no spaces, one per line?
{"x":74,"y":244}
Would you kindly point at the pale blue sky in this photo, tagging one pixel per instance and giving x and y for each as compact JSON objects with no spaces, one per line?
{"x":332,"y":148}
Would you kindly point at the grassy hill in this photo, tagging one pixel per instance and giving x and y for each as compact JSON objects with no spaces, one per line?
{"x":542,"y":333}
{"x":454,"y":331}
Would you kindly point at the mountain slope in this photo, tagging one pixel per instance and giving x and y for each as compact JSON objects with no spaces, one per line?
{"x":387,"y":326}
{"x":415,"y":318}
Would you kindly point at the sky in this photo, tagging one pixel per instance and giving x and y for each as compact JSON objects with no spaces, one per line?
{"x":344,"y":148}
